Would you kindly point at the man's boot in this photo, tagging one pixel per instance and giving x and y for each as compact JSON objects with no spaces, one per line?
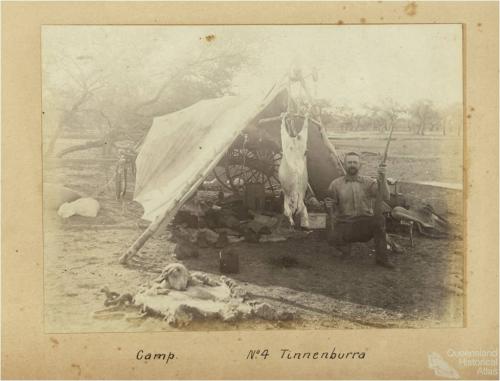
{"x":381,"y":257}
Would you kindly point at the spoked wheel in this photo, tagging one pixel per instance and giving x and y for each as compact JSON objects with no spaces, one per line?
{"x":242,"y":166}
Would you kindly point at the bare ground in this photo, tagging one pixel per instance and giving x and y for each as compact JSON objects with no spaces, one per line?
{"x":81,"y":256}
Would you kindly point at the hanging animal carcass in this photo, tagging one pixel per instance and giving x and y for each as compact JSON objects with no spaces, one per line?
{"x":293,"y":168}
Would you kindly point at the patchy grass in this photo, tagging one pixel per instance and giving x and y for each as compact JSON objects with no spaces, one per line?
{"x":306,"y":275}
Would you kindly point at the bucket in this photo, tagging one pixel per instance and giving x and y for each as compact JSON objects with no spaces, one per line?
{"x":229,"y":262}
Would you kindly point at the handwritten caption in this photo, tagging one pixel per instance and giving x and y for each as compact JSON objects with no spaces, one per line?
{"x":288,"y":354}
{"x":160,"y":356}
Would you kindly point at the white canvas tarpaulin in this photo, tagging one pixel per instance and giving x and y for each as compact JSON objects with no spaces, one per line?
{"x":181,"y":148}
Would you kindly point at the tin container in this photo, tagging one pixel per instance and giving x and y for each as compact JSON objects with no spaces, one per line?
{"x":229,"y":262}
{"x":317,"y":220}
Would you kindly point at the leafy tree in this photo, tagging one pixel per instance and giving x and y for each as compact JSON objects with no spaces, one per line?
{"x":391,"y":111}
{"x":118,"y":91}
{"x":425,"y":115}
{"x":376,"y":115}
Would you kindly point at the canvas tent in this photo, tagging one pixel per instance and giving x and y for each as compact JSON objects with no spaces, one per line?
{"x":182,"y":148}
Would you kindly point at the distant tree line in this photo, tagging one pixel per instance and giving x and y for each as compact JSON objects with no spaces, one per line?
{"x":420,"y":118}
{"x":110,"y":93}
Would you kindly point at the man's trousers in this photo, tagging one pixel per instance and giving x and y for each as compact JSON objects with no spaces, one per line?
{"x":360,"y":229}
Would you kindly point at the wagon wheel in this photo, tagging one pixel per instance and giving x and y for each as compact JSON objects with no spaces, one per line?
{"x":249,"y":166}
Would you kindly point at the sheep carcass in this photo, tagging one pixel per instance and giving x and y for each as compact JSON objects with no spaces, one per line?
{"x":293,"y":171}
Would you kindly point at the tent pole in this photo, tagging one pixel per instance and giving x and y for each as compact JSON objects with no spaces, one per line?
{"x":161,"y":219}
{"x":153,"y":227}
{"x":278,"y":118}
{"x":139,"y":242}
{"x":324,"y":136}
{"x":333,"y":153}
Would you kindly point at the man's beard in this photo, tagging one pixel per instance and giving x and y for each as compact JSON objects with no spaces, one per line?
{"x":353,"y":171}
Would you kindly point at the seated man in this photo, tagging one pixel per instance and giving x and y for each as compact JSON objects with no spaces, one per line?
{"x":351,"y":211}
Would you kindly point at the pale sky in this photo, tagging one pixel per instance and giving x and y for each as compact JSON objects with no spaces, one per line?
{"x":356,"y":63}
{"x":360,"y":64}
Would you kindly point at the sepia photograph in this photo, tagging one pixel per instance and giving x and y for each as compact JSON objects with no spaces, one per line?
{"x":221,"y":178}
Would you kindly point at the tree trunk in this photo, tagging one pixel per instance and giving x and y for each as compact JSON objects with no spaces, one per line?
{"x":64,"y":118}
{"x":81,"y":147}
{"x":420,"y":128}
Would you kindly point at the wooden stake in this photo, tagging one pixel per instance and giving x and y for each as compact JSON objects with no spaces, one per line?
{"x":163,"y":219}
{"x":139,"y":242}
{"x":186,"y":195}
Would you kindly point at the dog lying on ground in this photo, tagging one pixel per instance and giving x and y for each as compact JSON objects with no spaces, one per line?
{"x":176,"y":276}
